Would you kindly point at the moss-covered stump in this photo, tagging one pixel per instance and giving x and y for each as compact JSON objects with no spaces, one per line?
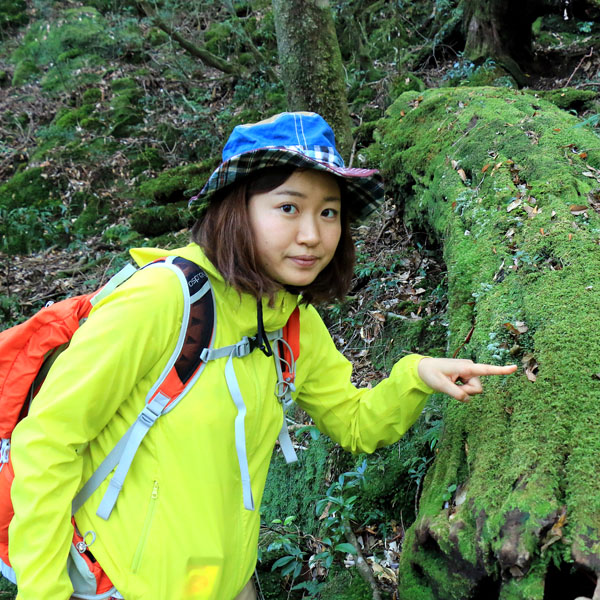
{"x":511,"y":186}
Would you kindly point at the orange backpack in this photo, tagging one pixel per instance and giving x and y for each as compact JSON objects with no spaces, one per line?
{"x":28,"y":350}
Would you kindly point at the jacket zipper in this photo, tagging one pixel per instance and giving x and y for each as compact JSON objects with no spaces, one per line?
{"x":137,"y":557}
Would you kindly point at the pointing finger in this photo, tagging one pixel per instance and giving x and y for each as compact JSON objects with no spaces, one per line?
{"x":479,"y":369}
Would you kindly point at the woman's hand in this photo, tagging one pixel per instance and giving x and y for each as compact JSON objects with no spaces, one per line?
{"x":441,"y":374}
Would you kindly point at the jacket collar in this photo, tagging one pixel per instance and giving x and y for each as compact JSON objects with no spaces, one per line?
{"x":242,"y":308}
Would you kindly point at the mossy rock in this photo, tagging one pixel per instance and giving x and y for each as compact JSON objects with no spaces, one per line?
{"x":70,"y":118}
{"x":92,"y":124}
{"x":123,"y":83}
{"x":149,"y":158}
{"x":24,"y":72}
{"x":217,"y":38}
{"x":93,"y":212}
{"x":153,"y":221}
{"x":177,"y":184}
{"x":569,"y":98}
{"x":91,"y":96}
{"x":27,"y":188}
{"x":156,"y":37}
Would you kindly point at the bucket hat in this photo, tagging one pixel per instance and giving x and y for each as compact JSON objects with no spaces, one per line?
{"x":297,"y":139}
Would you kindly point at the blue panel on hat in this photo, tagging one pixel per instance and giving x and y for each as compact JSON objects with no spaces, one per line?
{"x":299,"y":130}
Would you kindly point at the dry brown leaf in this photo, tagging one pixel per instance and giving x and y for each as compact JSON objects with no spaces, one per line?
{"x":578,"y":209}
{"x":462,"y":174}
{"x":530,"y":366}
{"x":514,"y":204}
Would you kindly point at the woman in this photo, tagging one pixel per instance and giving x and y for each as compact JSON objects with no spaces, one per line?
{"x":274,"y":234}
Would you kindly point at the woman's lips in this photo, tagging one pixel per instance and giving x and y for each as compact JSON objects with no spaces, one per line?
{"x":304,"y":261}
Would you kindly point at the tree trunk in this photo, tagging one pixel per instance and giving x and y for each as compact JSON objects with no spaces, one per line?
{"x":311,"y":64}
{"x":500,"y":30}
{"x":510,"y":186}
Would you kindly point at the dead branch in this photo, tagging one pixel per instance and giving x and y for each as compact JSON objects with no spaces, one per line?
{"x":208,"y":58}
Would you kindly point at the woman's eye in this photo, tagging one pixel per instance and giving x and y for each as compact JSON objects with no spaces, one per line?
{"x":289,"y":209}
{"x":330,"y":213}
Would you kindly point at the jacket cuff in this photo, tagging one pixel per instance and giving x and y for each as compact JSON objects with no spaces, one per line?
{"x":411,"y":364}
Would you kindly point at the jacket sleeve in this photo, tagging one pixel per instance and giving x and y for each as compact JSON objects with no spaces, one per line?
{"x":122,"y":340}
{"x":360,"y":420}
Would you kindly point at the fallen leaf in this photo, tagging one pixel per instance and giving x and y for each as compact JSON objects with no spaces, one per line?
{"x":588,"y":174}
{"x":583,"y":155}
{"x":378,"y":316}
{"x":530,"y":367}
{"x":517,"y":329}
{"x":521,"y":327}
{"x":462,"y":174}
{"x":485,"y":168}
{"x":578,"y":209}
{"x":514,"y":204}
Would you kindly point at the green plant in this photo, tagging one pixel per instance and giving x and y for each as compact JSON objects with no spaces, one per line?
{"x":338,"y":505}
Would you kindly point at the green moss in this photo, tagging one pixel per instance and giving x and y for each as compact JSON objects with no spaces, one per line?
{"x":149,"y":158}
{"x":13,"y":13}
{"x":177,"y":184}
{"x":91,"y":96}
{"x":156,"y":37}
{"x":64,"y":50}
{"x":157,"y":220}
{"x":524,"y":449}
{"x":569,"y":98}
{"x":295,"y":489}
{"x":24,"y":72}
{"x":29,"y":187}
{"x":346,"y":585}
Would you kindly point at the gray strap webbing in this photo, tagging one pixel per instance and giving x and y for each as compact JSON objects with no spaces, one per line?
{"x":116,"y":280}
{"x":101,"y":473}
{"x":240,"y":432}
{"x":138,"y":431}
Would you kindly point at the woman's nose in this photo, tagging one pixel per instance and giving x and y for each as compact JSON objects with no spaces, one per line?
{"x":308,"y":232}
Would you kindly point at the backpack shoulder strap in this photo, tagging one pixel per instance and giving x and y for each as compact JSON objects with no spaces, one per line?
{"x":179,"y":374}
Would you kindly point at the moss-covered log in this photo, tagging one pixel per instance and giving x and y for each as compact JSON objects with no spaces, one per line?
{"x":510,"y":185}
{"x":311,"y":63}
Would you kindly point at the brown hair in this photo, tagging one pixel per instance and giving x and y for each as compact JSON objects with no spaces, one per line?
{"x":226,"y":238}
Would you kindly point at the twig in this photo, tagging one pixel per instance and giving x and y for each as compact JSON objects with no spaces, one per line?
{"x":467,"y":339}
{"x":589,"y":55}
{"x":362,"y":566}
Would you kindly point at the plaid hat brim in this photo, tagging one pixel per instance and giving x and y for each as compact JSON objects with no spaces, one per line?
{"x":365,"y":186}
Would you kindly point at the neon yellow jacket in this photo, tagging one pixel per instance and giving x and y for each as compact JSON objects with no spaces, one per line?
{"x":179,"y":529}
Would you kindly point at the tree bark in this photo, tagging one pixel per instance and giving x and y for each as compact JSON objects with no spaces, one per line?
{"x":500,"y":30}
{"x":511,"y":188}
{"x":311,"y":64}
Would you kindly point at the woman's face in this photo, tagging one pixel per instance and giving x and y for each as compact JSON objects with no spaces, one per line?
{"x":297,"y":226}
